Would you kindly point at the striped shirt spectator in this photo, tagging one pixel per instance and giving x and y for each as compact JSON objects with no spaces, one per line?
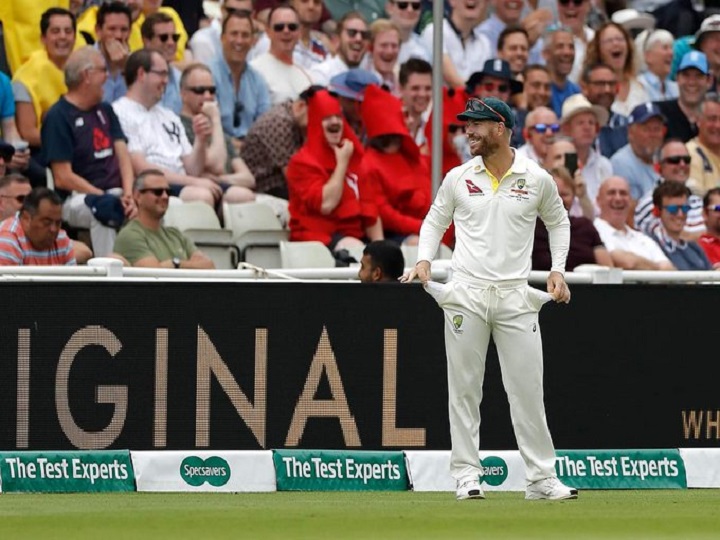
{"x":34,"y":235}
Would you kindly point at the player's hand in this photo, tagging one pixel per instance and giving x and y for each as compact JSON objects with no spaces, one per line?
{"x":557,"y":287}
{"x":420,"y":271}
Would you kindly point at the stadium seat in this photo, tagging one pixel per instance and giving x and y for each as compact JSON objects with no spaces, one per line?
{"x":199,"y":222}
{"x":257,"y":233}
{"x":305,"y":255}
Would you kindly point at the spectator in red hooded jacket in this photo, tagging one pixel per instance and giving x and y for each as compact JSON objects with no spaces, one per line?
{"x":400,"y":177}
{"x":454,"y":141}
{"x":329,"y":200}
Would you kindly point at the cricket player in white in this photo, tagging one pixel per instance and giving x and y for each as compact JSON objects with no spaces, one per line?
{"x":494,"y":200}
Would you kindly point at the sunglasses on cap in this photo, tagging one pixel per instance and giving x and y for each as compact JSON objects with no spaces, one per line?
{"x":237,"y":111}
{"x":475,"y":104}
{"x":164,"y":37}
{"x":675,"y":208}
{"x":200,"y":90}
{"x":543,"y":128}
{"x":279,"y":27}
{"x":19,"y":198}
{"x":352,"y":32}
{"x":415,"y":6}
{"x":675,"y":160}
{"x":158,"y":192}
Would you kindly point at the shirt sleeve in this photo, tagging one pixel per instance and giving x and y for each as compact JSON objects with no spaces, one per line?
{"x":7,"y":100}
{"x":553,"y":214}
{"x":437,"y":220}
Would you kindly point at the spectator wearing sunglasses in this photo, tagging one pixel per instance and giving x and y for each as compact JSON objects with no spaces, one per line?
{"x":710,"y":240}
{"x":674,"y":167}
{"x":153,"y":7}
{"x":465,"y":45}
{"x":683,"y":113}
{"x":158,"y":32}
{"x":284,"y":78}
{"x":242,"y":93}
{"x":705,"y":148}
{"x":405,"y":16}
{"x":13,"y":190}
{"x":581,"y":121}
{"x":354,"y":38}
{"x":541,"y":128}
{"x":670,"y":205}
{"x":156,"y":136}
{"x":198,"y":90}
{"x":86,"y":150}
{"x":145,"y":241}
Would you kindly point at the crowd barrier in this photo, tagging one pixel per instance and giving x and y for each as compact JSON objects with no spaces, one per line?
{"x":341,"y":470}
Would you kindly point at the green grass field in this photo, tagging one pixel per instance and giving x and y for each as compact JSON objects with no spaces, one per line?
{"x":406,"y":515}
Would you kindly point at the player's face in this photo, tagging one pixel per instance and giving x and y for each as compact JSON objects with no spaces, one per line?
{"x":482,"y":137}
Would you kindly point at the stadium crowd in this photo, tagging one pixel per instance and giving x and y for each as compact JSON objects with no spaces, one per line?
{"x":322,"y":110}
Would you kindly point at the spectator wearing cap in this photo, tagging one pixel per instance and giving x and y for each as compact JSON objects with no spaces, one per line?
{"x":349,"y":88}
{"x":393,"y":166}
{"x":284,"y":78}
{"x":674,"y":167}
{"x":683,"y":113}
{"x":657,"y":49}
{"x":710,"y":240}
{"x":541,"y":127}
{"x":354,"y":37}
{"x":406,"y":15}
{"x":87,"y":152}
{"x":330,"y":202}
{"x":272,"y":140}
{"x":382,"y":57}
{"x":559,"y":53}
{"x":581,"y":122}
{"x":599,"y":85}
{"x":636,"y":160}
{"x":705,"y":148}
{"x":242,"y":92}
{"x":35,"y":235}
{"x":465,"y":45}
{"x":415,"y":80}
{"x":707,"y":41}
{"x":670,"y":204}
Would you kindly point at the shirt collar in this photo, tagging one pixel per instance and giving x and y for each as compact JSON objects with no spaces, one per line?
{"x":519,"y":164}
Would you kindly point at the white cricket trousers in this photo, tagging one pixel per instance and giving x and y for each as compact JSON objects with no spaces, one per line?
{"x":507,"y":311}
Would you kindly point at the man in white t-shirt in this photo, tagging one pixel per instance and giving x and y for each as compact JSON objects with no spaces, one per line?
{"x":629,"y":249}
{"x":285,"y":79}
{"x":156,"y":136}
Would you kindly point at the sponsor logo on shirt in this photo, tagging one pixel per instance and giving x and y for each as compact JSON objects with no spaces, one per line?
{"x":472,"y":188}
{"x":518,"y":189}
{"x":457,"y":321}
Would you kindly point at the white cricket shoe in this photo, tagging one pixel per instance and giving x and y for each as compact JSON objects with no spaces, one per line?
{"x":550,"y":488}
{"x":469,"y":488}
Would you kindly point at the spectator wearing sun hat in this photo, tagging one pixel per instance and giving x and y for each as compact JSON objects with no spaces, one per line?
{"x":581,"y":122}
{"x":693,"y":78}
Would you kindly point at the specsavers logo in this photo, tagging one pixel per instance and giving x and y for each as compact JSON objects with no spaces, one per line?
{"x":213,"y":470}
{"x":495,"y":470}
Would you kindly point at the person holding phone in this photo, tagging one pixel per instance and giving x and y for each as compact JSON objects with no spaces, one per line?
{"x":581,"y":122}
{"x":494,"y":200}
